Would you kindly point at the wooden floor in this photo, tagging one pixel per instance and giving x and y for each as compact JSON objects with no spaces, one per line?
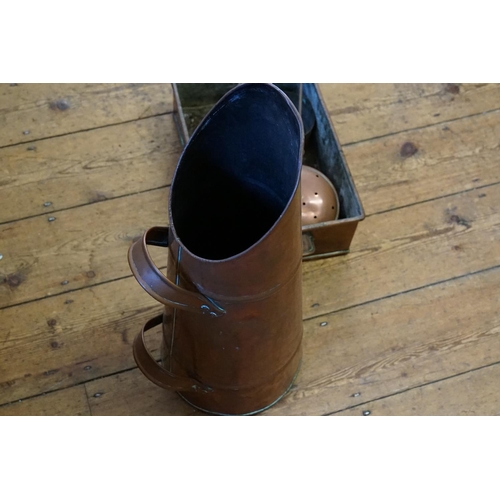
{"x":411,"y":316}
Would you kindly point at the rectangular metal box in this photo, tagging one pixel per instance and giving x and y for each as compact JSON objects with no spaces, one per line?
{"x":192,"y":101}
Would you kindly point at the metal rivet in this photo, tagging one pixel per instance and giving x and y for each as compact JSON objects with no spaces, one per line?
{"x":204,"y":308}
{"x":31,"y":148}
{"x":1,"y":256}
{"x":65,"y":282}
{"x":87,"y":368}
{"x":315,"y":305}
{"x":213,"y":314}
{"x":323,"y":323}
{"x":26,"y":132}
{"x":47,"y":204}
{"x":97,"y":395}
{"x":51,"y":219}
{"x":366,"y":413}
{"x":356,"y":395}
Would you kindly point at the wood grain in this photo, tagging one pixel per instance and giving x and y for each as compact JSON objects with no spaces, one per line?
{"x":91,"y":243}
{"x":370,"y":351}
{"x":364,"y":111}
{"x":359,"y":111}
{"x":81,"y":247}
{"x":87,"y":167}
{"x":118,"y":160}
{"x":395,"y":252}
{"x":130,"y":394}
{"x":30,"y":111}
{"x":375,"y":324}
{"x":406,"y":249}
{"x":61,"y":341}
{"x":72,"y":401}
{"x":472,"y":394}
{"x":397,"y":343}
{"x":419,"y":165}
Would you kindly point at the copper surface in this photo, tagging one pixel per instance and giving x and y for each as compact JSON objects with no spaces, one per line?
{"x":324,"y":239}
{"x":320,"y":202}
{"x":232,"y":323}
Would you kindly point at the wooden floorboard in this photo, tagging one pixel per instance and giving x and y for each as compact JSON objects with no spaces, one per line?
{"x":461,"y":158}
{"x":473,"y":393}
{"x":407,"y":249}
{"x":130,"y":394}
{"x":128,"y":158}
{"x":346,"y":364}
{"x":429,"y":245}
{"x":72,"y":338}
{"x":392,"y":252}
{"x":83,"y":246}
{"x":359,"y":111}
{"x":364,"y":111}
{"x":418,"y":165}
{"x":87,"y":167}
{"x":71,"y":401}
{"x":29,"y":111}
{"x":389,"y":345}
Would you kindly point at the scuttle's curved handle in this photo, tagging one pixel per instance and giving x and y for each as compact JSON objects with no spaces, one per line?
{"x":157,"y":373}
{"x":157,"y":284}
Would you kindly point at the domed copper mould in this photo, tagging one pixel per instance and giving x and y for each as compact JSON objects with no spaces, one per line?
{"x":320,"y":202}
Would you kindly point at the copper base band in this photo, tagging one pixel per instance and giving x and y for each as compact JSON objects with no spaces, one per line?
{"x":252,"y":412}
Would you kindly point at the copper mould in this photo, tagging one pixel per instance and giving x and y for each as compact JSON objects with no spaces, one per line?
{"x":320,"y":202}
{"x":232,"y":323}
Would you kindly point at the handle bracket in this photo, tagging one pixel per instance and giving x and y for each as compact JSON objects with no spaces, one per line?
{"x":158,"y":285}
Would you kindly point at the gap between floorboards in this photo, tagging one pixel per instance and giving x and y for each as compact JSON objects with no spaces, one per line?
{"x":411,"y":389}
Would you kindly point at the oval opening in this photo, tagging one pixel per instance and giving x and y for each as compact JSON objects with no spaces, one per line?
{"x":237,"y":174}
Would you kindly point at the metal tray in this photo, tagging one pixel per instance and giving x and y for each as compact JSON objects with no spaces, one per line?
{"x":192,"y":101}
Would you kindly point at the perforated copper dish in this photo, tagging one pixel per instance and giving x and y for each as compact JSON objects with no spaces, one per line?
{"x":320,"y":202}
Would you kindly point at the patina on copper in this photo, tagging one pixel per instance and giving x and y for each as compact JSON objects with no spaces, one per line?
{"x":232,"y":323}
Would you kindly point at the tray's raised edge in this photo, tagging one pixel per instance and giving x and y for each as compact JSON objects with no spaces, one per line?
{"x":179,"y":120}
{"x":341,"y":152}
{"x":337,"y":222}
